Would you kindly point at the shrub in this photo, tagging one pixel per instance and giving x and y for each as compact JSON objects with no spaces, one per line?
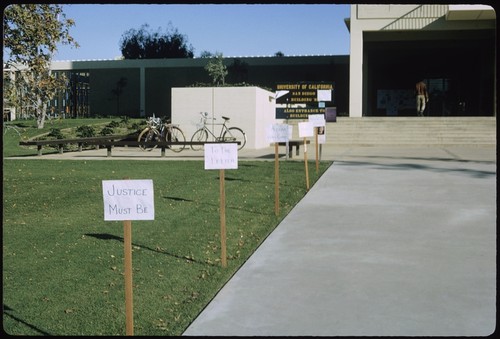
{"x":56,"y":133}
{"x":85,"y":131}
{"x":106,"y":131}
{"x":113,"y":124}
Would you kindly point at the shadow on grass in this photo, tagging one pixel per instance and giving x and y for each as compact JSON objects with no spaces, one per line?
{"x":107,"y":236}
{"x":179,"y":199}
{"x":217,"y":205}
{"x":229,"y":178}
{"x":7,"y":311}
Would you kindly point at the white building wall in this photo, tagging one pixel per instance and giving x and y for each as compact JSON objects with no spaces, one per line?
{"x":250,"y":108}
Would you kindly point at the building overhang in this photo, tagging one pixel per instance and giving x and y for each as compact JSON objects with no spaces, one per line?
{"x":470,"y":12}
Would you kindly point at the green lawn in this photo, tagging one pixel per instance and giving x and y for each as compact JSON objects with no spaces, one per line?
{"x":63,"y":264}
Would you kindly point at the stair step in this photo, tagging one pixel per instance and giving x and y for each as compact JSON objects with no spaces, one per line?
{"x":409,"y":131}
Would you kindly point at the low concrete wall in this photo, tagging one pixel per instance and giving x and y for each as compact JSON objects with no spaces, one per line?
{"x":250,"y":108}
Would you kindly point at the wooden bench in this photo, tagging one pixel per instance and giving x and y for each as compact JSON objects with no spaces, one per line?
{"x":293,"y":143}
{"x":61,"y":142}
{"x":110,"y":142}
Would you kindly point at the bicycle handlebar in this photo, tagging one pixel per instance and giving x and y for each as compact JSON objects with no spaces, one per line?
{"x":205,"y":116}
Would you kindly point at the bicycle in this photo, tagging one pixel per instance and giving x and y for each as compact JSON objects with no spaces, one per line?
{"x":227,"y":134}
{"x":158,"y":131}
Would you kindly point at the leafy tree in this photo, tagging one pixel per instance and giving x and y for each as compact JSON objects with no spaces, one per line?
{"x":216,"y":69}
{"x":31,"y":34}
{"x":279,"y":54}
{"x":206,"y":54}
{"x":146,"y":44}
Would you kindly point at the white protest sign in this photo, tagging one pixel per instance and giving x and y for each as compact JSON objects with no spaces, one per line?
{"x":279,"y":133}
{"x":324,"y":95}
{"x":321,"y":134}
{"x":221,"y":156}
{"x":306,"y":129}
{"x":128,"y":199}
{"x":318,"y":120}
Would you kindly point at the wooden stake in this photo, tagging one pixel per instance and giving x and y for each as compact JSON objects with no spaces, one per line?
{"x":276,"y":180}
{"x":317,"y":148}
{"x":307,"y":167}
{"x":222,"y":219}
{"x":129,"y":301}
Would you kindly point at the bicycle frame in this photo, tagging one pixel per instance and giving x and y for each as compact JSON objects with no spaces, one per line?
{"x":155,"y":125}
{"x":158,"y":130}
{"x":226,"y":134}
{"x":223,"y":129}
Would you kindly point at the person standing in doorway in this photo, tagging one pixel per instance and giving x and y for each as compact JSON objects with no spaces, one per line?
{"x":422,"y":97}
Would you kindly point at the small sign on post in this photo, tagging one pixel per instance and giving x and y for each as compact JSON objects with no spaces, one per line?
{"x":318,"y":121}
{"x":128,"y":200}
{"x":306,"y":130}
{"x":222,"y":156}
{"x":278,"y":133}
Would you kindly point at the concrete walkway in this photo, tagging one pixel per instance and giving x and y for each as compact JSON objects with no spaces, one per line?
{"x":391,"y":241}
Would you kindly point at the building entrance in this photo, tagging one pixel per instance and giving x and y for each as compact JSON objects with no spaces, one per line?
{"x":459,"y":74}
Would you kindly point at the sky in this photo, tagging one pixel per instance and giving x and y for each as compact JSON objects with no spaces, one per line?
{"x":235,"y":30}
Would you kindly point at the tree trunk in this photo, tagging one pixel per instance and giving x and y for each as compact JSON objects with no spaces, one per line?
{"x":41,"y":114}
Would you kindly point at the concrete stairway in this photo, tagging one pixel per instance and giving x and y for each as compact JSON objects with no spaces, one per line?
{"x":410,"y":131}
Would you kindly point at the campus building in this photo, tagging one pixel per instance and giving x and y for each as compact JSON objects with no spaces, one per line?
{"x":143,"y":87}
{"x":450,"y":47}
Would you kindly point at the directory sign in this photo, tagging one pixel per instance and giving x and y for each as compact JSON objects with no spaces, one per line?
{"x":299,"y":100}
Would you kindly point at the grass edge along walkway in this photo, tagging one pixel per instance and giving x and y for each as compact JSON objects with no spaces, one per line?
{"x":63,"y":264}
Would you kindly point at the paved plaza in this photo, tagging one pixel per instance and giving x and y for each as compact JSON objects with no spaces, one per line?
{"x":391,"y":241}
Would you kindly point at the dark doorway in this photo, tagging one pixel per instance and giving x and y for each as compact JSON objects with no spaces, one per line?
{"x":459,"y":73}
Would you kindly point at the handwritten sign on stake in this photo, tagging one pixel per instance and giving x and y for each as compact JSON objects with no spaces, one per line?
{"x":317,"y":120}
{"x":276,"y":180}
{"x":306,"y":129}
{"x":128,"y":200}
{"x":278,"y":133}
{"x":222,"y":156}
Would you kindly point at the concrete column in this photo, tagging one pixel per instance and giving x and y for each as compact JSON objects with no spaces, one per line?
{"x":355,"y":66}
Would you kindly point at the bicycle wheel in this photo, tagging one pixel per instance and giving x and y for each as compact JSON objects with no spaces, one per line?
{"x":235,"y":134}
{"x":199,"y":136}
{"x":175,"y":134}
{"x":147,"y":135}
